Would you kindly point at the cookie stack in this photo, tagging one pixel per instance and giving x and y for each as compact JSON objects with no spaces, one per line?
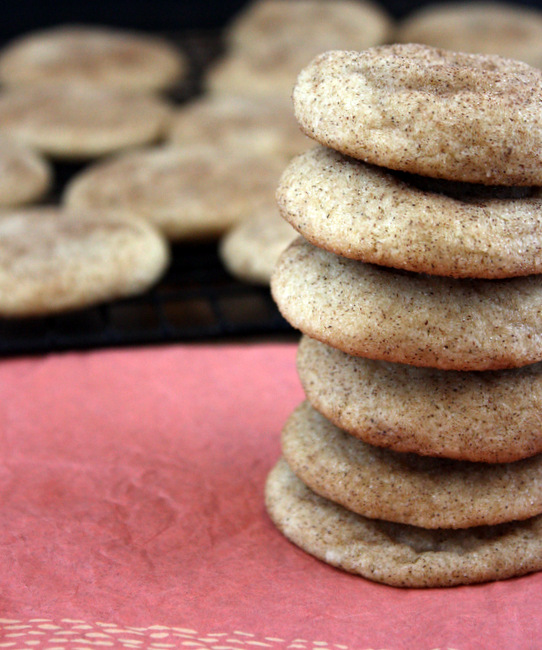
{"x":415,"y":460}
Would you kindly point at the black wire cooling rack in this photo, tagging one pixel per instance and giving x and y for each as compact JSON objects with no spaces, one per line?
{"x":196,"y":300}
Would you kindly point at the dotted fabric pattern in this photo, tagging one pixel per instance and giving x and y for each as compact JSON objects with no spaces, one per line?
{"x":77,"y":634}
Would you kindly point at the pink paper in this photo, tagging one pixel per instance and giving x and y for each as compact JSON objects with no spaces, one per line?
{"x":131,"y":492}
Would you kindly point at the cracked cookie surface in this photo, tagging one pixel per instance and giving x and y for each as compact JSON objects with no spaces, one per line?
{"x":463,"y":117}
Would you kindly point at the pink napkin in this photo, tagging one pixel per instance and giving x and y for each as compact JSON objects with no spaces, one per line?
{"x":131,"y":515}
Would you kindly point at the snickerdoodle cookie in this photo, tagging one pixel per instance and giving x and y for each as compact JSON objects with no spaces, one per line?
{"x":426,"y":225}
{"x":423,"y":320}
{"x":457,"y":116}
{"x":53,"y":260}
{"x":236,"y":74}
{"x":294,"y":32}
{"x":399,"y":554}
{"x":251,"y":249}
{"x":265,"y":126}
{"x":508,"y":29}
{"x":190,"y":192}
{"x":81,"y":122}
{"x":271,"y":40}
{"x":491,"y":416}
{"x":25,"y":175}
{"x":408,"y":488}
{"x":97,"y":56}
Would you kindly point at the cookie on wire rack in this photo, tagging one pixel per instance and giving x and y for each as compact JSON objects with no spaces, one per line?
{"x":508,"y":29}
{"x":54,"y":261}
{"x":190,"y":193}
{"x":251,"y":249}
{"x":75,"y":122}
{"x":92,"y":55}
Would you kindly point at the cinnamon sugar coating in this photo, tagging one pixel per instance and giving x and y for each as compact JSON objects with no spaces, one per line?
{"x":423,"y":320}
{"x":464,"y":117}
{"x":424,"y":225}
{"x":491,"y":417}
{"x":407,"y":488}
{"x":399,"y":554}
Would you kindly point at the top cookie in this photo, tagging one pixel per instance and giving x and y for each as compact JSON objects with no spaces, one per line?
{"x":93,"y":55}
{"x":431,"y":112}
{"x":507,"y":29}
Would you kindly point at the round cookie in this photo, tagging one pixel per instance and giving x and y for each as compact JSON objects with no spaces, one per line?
{"x":191,"y":192}
{"x":421,"y":320}
{"x":398,"y":554}
{"x":251,"y":249}
{"x":289,"y":34}
{"x":235,"y":74}
{"x":99,"y":56}
{"x":491,"y":417}
{"x":25,"y":175}
{"x":457,"y":116}
{"x":510,"y":30}
{"x":407,"y":488}
{"x":271,"y":40}
{"x":368,"y":213}
{"x":52,"y":260}
{"x":264,"y":126}
{"x":81,"y":122}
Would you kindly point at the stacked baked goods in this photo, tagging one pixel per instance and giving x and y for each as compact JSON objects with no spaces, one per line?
{"x":415,"y":460}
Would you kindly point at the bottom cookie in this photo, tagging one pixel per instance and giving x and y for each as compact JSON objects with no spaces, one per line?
{"x":398,"y":554}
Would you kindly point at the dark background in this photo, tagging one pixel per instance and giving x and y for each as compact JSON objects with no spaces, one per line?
{"x":158,"y":15}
